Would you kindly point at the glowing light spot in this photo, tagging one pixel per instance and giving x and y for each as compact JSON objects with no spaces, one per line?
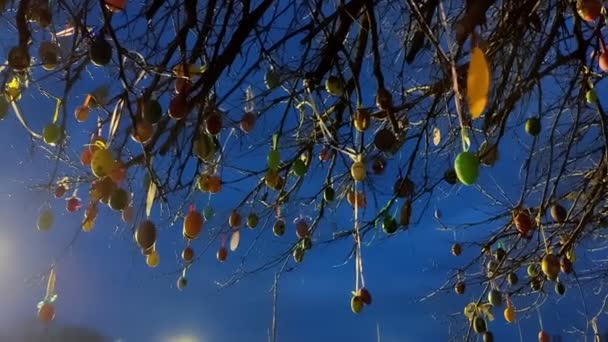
{"x":184,"y":338}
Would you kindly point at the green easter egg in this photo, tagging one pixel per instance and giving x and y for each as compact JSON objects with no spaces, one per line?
{"x":467,"y":167}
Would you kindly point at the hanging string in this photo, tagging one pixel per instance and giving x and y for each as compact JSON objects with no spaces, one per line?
{"x":540,"y":319}
{"x":542,"y":232}
{"x":357,"y":245}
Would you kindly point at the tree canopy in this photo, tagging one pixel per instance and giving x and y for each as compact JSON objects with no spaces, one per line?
{"x":301,"y":112}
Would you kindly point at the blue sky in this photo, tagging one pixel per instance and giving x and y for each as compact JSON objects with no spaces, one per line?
{"x":103,"y":282}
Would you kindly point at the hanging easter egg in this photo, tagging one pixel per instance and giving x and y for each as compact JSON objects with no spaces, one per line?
{"x":361,"y":119}
{"x":104,"y":188}
{"x":495,"y":298}
{"x":532,"y":270}
{"x":509,"y":314}
{"x":152,"y":111}
{"x":45,"y":220}
{"x":152,"y":259}
{"x":500,"y":254}
{"x":272,"y":78}
{"x":357,"y":171}
{"x":589,"y":10}
{"x":533,"y":126}
{"x":13,"y":89}
{"x":456,"y":249}
{"x":142,"y":131}
{"x":302,"y":228}
{"x":49,"y":55}
{"x":487,"y":337}
{"x":334,"y":86}
{"x":384,"y":140}
{"x":459,"y":287}
{"x":591,"y":96}
{"x":560,"y":289}
{"x":325,"y":154}
{"x":85,"y":156}
{"x":329,"y":194}
{"x":182,"y":85}
{"x":215,"y":184}
{"x":119,"y":199}
{"x":274,"y":159}
{"x":298,"y":254}
{"x":181,"y":283}
{"x":203,"y":183}
{"x":550,"y":266}
{"x":278,"y":228}
{"x":100,"y":51}
{"x":478,"y":82}
{"x":60,"y":190}
{"x":46,"y":312}
{"x":52,"y":134}
{"x":252,"y":220}
{"x":222,"y":254}
{"x":81,"y":113}
{"x":565,"y":265}
{"x":358,"y":198}
{"x":522,"y":222}
{"x":277,"y":183}
{"x":389,"y":225}
{"x":102,"y":163}
{"x":491,"y":268}
{"x":466,"y":166}
{"x":356,"y":304}
{"x":19,"y":58}
{"x":479,"y":325}
{"x":187,"y":254}
{"x":213,"y":123}
{"x":208,"y":213}
{"x":299,"y":167}
{"x":558,"y":213}
{"x":38,"y":12}
{"x":235,"y":239}
{"x":536,"y":285}
{"x":72,"y":204}
{"x":193,"y":224}
{"x":234,"y":220}
{"x":145,"y":235}
{"x":273,"y":180}
{"x":365,"y":295}
{"x":178,"y":107}
{"x":90,"y":214}
{"x":247,"y":122}
{"x":543,"y":337}
{"x":187,"y":70}
{"x":204,"y":147}
{"x":384,"y":100}
{"x":115,"y":5}
{"x":512,"y":279}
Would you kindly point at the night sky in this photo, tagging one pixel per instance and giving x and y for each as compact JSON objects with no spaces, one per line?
{"x":104,"y":284}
